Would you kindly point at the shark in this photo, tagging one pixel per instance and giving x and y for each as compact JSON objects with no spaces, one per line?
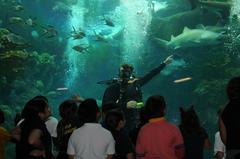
{"x":216,"y":4}
{"x":192,"y":38}
{"x":174,"y":24}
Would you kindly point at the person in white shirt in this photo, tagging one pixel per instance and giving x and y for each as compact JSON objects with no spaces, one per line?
{"x":219,"y":147}
{"x":90,"y":141}
{"x":51,"y":124}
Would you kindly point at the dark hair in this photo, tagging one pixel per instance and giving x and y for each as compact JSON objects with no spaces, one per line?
{"x":88,"y":110}
{"x":2,"y":118}
{"x":33,"y":107}
{"x":128,"y":67}
{"x":68,"y":109}
{"x":189,"y":122}
{"x":155,"y":106}
{"x":112,"y":119}
{"x":233,"y":88}
{"x":41,"y":97}
{"x":126,"y":71}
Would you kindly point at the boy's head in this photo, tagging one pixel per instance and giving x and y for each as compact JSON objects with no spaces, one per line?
{"x":89,"y":111}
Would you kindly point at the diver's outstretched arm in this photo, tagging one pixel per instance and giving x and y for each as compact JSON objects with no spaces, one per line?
{"x":145,"y":79}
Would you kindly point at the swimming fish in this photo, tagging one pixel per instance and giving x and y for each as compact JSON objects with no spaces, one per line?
{"x":182,"y":80}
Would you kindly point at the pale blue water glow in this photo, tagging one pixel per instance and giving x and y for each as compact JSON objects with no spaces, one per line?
{"x":137,"y":16}
{"x":75,"y":63}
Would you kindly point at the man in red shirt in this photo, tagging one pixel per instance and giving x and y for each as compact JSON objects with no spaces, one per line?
{"x":159,"y":139}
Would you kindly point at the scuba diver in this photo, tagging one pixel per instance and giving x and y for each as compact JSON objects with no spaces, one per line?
{"x":125,"y":91}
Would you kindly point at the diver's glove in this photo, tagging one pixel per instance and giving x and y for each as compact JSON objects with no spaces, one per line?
{"x":134,"y":104}
{"x":168,"y":60}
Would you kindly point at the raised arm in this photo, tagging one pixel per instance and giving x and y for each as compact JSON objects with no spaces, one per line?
{"x":145,"y":79}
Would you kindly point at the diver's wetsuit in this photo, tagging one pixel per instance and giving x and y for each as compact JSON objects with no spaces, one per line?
{"x":130,"y":91}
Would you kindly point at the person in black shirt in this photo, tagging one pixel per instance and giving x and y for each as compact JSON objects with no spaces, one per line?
{"x":126,"y":91}
{"x":69,"y":122}
{"x":123,"y":146}
{"x":35,"y":140}
{"x":229,"y":120}
{"x":194,"y":135}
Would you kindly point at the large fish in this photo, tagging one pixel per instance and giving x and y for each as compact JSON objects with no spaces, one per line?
{"x":217,"y":4}
{"x":174,"y":24}
{"x":192,"y":38}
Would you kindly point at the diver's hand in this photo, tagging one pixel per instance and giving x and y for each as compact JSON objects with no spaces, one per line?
{"x":168,"y":60}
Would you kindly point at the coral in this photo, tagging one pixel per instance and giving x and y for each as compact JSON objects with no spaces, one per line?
{"x":4,"y":31}
{"x":43,"y":58}
{"x":39,"y":85}
{"x":206,"y":87}
{"x":20,"y":71}
{"x":9,"y":112}
{"x":14,"y":54}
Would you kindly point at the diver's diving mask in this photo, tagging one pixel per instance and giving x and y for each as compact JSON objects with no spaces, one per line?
{"x":125,"y":73}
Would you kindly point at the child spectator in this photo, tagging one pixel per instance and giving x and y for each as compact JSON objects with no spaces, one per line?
{"x":158,"y":138}
{"x":115,"y":123}
{"x":90,"y":141}
{"x":194,"y":135}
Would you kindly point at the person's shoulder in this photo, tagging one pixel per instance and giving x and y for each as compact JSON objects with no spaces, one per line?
{"x":76,"y":132}
{"x":104,"y":130}
{"x":147,"y":126}
{"x":172,"y":125}
{"x":52,"y":119}
{"x":217,"y":134}
{"x":51,"y":123}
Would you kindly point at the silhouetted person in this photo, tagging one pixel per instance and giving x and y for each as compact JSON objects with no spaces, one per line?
{"x":194,"y":135}
{"x":230,"y":118}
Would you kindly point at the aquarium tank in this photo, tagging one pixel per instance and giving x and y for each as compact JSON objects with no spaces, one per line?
{"x":65,"y":48}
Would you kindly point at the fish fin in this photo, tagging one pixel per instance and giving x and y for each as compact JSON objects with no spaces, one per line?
{"x":186,"y":29}
{"x":176,"y":47}
{"x":200,"y":26}
{"x":172,"y":37}
{"x":74,"y":30}
{"x":161,"y":42}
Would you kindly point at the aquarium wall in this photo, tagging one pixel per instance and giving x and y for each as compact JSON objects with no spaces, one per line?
{"x":62,"y":48}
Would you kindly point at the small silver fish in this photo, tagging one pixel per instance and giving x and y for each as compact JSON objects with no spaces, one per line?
{"x":62,"y":89}
{"x":182,"y":80}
